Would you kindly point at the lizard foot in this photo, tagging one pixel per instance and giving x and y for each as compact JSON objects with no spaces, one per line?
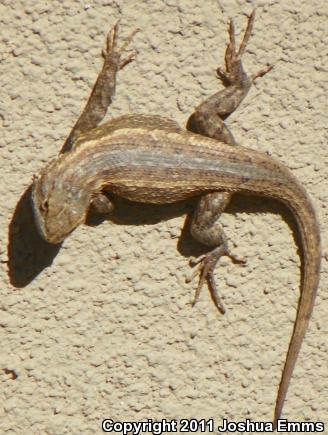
{"x":205,"y":271}
{"x":112,"y":54}
{"x":234,"y":74}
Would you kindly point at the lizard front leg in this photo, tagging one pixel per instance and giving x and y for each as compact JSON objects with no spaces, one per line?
{"x":101,"y":96}
{"x":208,"y":120}
{"x":104,"y":88}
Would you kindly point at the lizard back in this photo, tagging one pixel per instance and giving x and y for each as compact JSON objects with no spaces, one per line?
{"x":157,"y":162}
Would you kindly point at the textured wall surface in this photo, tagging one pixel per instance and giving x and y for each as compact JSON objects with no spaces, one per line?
{"x":102,"y":327}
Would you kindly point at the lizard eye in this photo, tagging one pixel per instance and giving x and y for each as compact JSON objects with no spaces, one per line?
{"x":44,"y":205}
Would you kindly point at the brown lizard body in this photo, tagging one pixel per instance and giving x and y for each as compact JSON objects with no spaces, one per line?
{"x":150,"y":159}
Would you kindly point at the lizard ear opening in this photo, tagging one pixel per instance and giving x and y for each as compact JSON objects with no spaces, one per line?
{"x":44,"y":205}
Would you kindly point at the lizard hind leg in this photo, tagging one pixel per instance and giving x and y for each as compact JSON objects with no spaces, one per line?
{"x":206,"y":229}
{"x":208,"y":118}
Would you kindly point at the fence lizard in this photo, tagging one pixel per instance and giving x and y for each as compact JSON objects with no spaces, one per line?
{"x":150,"y":159}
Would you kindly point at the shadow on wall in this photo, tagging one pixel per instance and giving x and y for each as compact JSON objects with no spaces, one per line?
{"x":29,"y":254}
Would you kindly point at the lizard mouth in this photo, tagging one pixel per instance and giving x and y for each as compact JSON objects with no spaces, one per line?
{"x":39,"y":222}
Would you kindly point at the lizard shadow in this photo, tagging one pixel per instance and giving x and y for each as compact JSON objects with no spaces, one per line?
{"x":255,"y":205}
{"x":29,"y":254}
{"x":132,"y":213}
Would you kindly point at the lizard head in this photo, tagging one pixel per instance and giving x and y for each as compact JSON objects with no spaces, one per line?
{"x":58,"y":206}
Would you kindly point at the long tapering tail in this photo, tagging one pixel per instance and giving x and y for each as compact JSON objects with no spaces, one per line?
{"x":310,"y":236}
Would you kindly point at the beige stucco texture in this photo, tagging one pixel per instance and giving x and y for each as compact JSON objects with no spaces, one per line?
{"x":102,"y":326}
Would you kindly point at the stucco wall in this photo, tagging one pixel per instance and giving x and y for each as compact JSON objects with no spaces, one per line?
{"x":103,"y":326}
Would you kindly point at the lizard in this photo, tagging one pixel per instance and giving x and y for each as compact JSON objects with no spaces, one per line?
{"x":151,"y":159}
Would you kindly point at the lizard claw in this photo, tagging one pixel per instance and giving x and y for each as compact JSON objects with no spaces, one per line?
{"x":205,"y":271}
{"x":194,"y":261}
{"x":112,"y":54}
{"x":261,"y":72}
{"x":234,"y":74}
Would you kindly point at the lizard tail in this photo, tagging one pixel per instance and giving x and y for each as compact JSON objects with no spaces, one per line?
{"x":297,"y":199}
